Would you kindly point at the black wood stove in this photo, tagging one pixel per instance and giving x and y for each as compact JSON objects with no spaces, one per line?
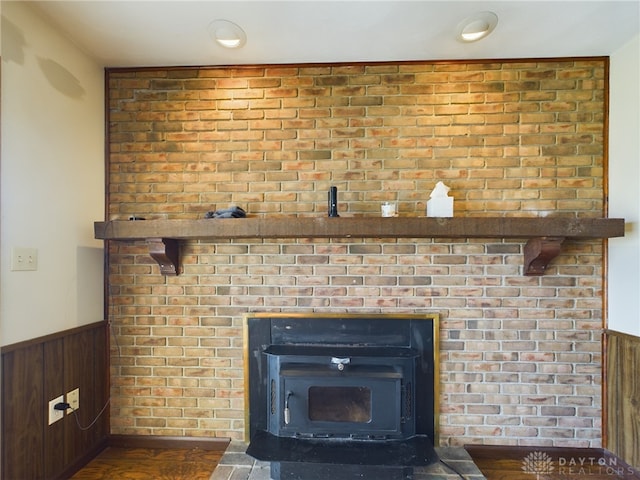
{"x":346,"y":397}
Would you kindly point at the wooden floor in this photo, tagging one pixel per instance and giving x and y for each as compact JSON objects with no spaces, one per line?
{"x":549,"y":463}
{"x":117,"y":463}
{"x":496,"y":463}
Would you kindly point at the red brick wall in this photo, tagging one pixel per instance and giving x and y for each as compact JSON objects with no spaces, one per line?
{"x":520,"y":357}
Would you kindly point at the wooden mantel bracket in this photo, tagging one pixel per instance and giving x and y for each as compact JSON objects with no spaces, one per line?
{"x":538,"y":252}
{"x":165,"y":251}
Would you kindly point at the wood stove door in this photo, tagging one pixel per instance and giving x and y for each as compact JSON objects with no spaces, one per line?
{"x":320,"y":401}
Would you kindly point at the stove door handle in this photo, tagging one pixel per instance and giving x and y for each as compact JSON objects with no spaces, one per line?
{"x":287,"y":412}
{"x":340,"y":362}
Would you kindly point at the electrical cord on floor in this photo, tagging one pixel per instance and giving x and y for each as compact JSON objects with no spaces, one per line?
{"x":448,"y":466}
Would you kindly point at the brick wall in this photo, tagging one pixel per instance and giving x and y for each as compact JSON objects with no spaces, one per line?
{"x":520,"y":356}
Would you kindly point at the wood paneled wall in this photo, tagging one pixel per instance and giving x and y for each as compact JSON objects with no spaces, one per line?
{"x":623,"y":396}
{"x":39,"y":370}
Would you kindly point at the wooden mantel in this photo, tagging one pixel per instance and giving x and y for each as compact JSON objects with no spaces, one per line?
{"x":544,"y":235}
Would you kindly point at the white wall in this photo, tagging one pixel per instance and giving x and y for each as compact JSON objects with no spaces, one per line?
{"x":624,"y":188}
{"x":51,"y":178}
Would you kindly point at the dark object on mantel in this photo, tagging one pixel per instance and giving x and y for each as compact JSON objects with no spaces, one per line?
{"x":231,"y":212}
{"x":333,"y":202}
{"x":545,"y":235}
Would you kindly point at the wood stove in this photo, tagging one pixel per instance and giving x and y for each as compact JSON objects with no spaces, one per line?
{"x":341,"y":392}
{"x":341,"y":395}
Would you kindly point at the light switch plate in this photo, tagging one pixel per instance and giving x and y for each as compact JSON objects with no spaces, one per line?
{"x":24,"y":259}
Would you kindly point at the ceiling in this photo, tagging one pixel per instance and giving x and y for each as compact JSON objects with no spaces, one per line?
{"x":167,"y":33}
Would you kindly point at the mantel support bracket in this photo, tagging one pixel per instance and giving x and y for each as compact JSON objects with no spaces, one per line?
{"x":538,"y":252}
{"x":166,"y":252}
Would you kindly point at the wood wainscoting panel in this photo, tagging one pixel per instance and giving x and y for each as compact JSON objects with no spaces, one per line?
{"x":53,"y":387}
{"x":623,"y":396}
{"x":101,"y":384}
{"x":37,"y":371}
{"x":23,"y":419}
{"x":78,"y":373}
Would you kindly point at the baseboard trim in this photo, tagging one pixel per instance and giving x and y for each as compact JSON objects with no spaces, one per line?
{"x":156,"y":441}
{"x":80,"y":463}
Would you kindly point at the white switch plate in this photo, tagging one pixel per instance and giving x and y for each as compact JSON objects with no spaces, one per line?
{"x":24,"y":259}
{"x":73,"y":399}
{"x":55,"y":415}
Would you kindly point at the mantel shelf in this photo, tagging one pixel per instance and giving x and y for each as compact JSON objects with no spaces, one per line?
{"x":544,"y":235}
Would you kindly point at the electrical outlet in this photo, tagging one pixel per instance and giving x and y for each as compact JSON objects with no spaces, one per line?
{"x":55,"y":415}
{"x":73,"y":399}
{"x":24,"y":259}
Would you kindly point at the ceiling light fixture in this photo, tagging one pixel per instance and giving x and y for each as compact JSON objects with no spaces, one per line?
{"x":477,"y":26}
{"x":227,"y":34}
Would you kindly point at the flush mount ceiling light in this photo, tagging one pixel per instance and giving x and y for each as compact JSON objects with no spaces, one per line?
{"x":477,"y":26}
{"x":227,"y":34}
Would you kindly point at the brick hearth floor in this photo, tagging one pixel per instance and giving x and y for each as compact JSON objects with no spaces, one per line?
{"x":235,"y":464}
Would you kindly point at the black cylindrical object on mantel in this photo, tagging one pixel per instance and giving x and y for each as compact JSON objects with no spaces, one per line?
{"x":333,"y":202}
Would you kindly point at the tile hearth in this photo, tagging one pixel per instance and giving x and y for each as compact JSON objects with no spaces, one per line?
{"x":235,"y":464}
